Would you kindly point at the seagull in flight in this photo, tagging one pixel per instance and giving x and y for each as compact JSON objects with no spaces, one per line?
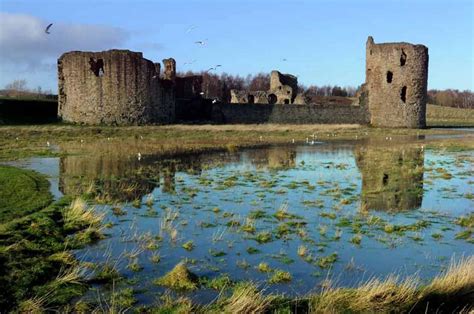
{"x":219,"y":65}
{"x":47,"y":28}
{"x":201,"y":42}
{"x":191,"y":28}
{"x":191,"y":62}
{"x":210,"y":69}
{"x":284,"y":59}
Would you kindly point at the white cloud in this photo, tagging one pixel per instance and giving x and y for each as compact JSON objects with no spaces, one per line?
{"x":23,"y":42}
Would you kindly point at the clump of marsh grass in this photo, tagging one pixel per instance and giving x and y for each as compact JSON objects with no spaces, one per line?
{"x":246,"y":298}
{"x":302,"y":250}
{"x":456,"y":283}
{"x":372,"y":296}
{"x":280,"y":276}
{"x":179,"y":278}
{"x":78,"y":215}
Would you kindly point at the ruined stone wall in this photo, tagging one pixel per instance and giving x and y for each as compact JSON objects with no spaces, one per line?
{"x":297,"y":114}
{"x":284,"y":86}
{"x":112,"y":87}
{"x":170,"y":69}
{"x":188,"y":86}
{"x":248,"y":97}
{"x":396,"y":78}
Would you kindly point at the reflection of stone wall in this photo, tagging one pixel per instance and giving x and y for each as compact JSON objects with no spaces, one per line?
{"x":118,"y":179}
{"x":273,"y":157}
{"x":392,"y":177}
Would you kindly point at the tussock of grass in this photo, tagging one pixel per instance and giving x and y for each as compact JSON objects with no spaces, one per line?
{"x":458,"y":279}
{"x":179,"y":278}
{"x":78,"y":214}
{"x":246,"y":298}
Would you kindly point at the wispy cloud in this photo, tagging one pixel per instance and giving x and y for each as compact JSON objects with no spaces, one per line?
{"x":24,"y":44}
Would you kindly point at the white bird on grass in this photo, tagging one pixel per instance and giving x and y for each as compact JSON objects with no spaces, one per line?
{"x":47,"y":143}
{"x":139,"y":156}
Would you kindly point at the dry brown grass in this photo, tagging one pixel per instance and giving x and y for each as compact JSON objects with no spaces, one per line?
{"x":458,"y":278}
{"x":78,"y":214}
{"x":441,"y":115}
{"x":246,"y":298}
{"x":372,"y":296}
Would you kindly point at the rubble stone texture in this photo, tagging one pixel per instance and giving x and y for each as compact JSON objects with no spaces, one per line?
{"x":396,"y":78}
{"x":114,"y":87}
{"x":284,"y":86}
{"x":170,"y":69}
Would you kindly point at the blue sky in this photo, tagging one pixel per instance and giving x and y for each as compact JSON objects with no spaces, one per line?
{"x":323,"y":41}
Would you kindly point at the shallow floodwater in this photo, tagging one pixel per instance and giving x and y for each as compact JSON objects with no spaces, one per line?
{"x":343,"y":211}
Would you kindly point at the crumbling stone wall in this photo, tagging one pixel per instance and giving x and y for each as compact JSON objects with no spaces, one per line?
{"x":189,"y":86}
{"x":249,"y":97}
{"x":112,"y":87}
{"x":396,"y":78}
{"x":170,"y":69}
{"x":283,"y":90}
{"x":284,"y":87}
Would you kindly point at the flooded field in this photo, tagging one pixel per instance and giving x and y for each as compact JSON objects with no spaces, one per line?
{"x":293,"y":218}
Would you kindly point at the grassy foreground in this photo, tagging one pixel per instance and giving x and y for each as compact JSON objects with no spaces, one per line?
{"x":36,"y":236}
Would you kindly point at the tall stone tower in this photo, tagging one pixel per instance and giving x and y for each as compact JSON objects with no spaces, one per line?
{"x":117,"y":87}
{"x":396,"y":81}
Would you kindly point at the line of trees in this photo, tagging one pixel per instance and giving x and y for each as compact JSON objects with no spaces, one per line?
{"x":19,"y":88}
{"x":219,"y":86}
{"x":451,"y":98}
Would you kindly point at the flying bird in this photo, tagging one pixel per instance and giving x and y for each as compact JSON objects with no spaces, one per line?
{"x":200,"y":42}
{"x":190,"y":62}
{"x":284,"y":59}
{"x":191,"y":28}
{"x":219,"y":65}
{"x":47,"y":28}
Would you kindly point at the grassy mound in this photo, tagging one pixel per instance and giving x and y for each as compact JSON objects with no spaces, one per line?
{"x":179,"y":278}
{"x":22,"y":192}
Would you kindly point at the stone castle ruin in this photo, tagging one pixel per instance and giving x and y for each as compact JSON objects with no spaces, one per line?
{"x":396,"y":80}
{"x":113,"y":87}
{"x":120,"y":87}
{"x":283,"y":90}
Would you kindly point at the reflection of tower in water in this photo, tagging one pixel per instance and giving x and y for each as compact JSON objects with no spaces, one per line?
{"x":110,"y":179}
{"x":273,"y":157}
{"x":392,"y":177}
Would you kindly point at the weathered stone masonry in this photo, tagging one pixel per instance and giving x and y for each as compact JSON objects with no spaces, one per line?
{"x":396,"y":81}
{"x":120,"y":87}
{"x":112,"y":87}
